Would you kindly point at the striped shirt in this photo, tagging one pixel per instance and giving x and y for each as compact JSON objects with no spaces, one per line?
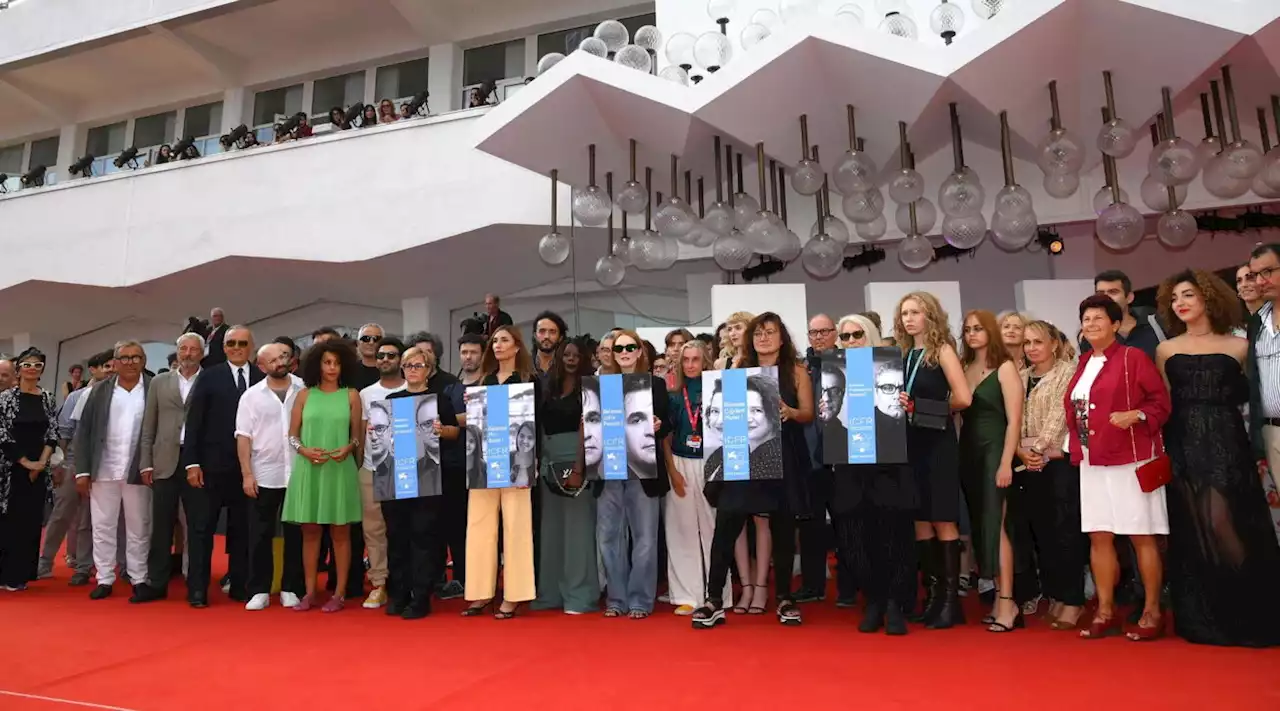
{"x":1268,"y":362}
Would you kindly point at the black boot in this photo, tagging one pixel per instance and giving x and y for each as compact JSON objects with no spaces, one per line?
{"x":949,"y":612}
{"x":894,"y":623}
{"x":872,"y":617}
{"x":931,"y":577}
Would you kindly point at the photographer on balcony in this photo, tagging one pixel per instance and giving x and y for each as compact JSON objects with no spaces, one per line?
{"x":293,"y":129}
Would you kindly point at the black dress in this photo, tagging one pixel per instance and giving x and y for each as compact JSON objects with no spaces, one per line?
{"x":933,"y":454}
{"x":20,"y":524}
{"x":1223,"y":559}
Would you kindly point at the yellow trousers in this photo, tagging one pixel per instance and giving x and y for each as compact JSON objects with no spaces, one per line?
{"x":516,"y":509}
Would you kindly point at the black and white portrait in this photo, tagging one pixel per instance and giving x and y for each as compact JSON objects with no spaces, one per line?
{"x":642,"y":445}
{"x":427,"y":436}
{"x":592,"y":428}
{"x":763,"y":411}
{"x":381,"y":450}
{"x":891,"y":422}
{"x":830,"y":406}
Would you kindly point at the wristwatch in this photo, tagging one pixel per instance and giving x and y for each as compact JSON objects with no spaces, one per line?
{"x":1142,"y":415}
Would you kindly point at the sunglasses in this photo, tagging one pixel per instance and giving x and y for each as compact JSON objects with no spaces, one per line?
{"x":370,"y":339}
{"x":386,"y":356}
{"x":235,"y":344}
{"x":32,"y":365}
{"x":629,"y":348}
{"x":854,"y":336}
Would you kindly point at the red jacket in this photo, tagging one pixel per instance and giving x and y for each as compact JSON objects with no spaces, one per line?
{"x":1109,"y":445}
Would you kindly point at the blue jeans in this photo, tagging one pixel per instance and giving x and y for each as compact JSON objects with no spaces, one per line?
{"x":626,"y":515}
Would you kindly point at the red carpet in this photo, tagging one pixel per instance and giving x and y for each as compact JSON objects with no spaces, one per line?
{"x":59,"y":644}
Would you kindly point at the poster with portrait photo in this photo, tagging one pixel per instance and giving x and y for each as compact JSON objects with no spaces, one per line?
{"x":406,"y":455}
{"x":742,"y":434}
{"x":501,"y":436}
{"x":618,"y":441}
{"x":863,"y":421}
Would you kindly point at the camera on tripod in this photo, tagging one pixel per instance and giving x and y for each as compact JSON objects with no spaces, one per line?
{"x":474,"y":325}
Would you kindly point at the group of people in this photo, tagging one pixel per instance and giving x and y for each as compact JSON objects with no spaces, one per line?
{"x":1031,"y":470}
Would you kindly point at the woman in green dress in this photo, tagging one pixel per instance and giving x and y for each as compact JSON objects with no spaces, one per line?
{"x":989,"y":436}
{"x":324,"y":486}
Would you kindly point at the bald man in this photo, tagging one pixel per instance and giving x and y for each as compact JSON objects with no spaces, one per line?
{"x":8,"y":378}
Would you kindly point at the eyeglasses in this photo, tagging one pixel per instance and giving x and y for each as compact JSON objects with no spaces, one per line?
{"x":853,"y":336}
{"x":765,"y":333}
{"x":235,"y":344}
{"x":386,"y":356}
{"x":31,"y":365}
{"x":889,"y":388}
{"x":629,"y":348}
{"x":380,"y":430}
{"x":832,"y":393}
{"x":1264,"y":273}
{"x":370,"y":339}
{"x":129,"y":359}
{"x":815,"y":332}
{"x":414,"y":366}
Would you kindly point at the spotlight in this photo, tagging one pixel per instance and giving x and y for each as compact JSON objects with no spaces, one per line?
{"x":4,"y":178}
{"x":238,"y":133}
{"x":867,"y":257}
{"x":127,"y":157}
{"x":181,"y":147}
{"x":83,"y":167}
{"x":353,"y":114}
{"x":289,"y":125}
{"x":419,"y":103}
{"x":1052,"y":243}
{"x":34,"y":178}
{"x":767,"y":267}
{"x":235,"y":138}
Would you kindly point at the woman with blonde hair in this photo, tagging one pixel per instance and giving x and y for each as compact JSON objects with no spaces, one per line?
{"x":731,"y":339}
{"x":934,"y":387}
{"x":857,"y":331}
{"x":1012,"y":324}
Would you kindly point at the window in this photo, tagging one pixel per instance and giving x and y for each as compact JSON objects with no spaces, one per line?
{"x":11,"y":159}
{"x":564,"y":41}
{"x":285,"y":101}
{"x":154,"y":130}
{"x":203,"y":120}
{"x":105,"y":140}
{"x":493,"y":63}
{"x":634,"y":23}
{"x":44,"y":152}
{"x":341,"y":91}
{"x":401,"y":81}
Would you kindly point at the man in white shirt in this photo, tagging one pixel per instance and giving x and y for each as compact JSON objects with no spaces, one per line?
{"x":262,"y":443}
{"x":107,"y":461}
{"x":377,"y":438}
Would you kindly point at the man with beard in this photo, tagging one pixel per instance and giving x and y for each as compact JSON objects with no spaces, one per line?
{"x":390,"y":380}
{"x":548,"y":331}
{"x":262,"y":424}
{"x":367,"y":373}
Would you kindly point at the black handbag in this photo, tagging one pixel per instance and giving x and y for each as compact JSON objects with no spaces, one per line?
{"x":930,"y":414}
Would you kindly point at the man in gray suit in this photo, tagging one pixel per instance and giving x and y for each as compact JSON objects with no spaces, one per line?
{"x":108,"y":452}
{"x":163,"y":431}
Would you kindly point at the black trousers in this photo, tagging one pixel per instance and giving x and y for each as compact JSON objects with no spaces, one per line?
{"x":880,"y":545}
{"x":453,"y":530}
{"x":166,"y":494}
{"x":782,"y":528}
{"x":1045,"y":506}
{"x":20,"y":526}
{"x":263,"y":519}
{"x":221,"y":490}
{"x":414,"y":546}
{"x":355,"y":573}
{"x":817,"y":537}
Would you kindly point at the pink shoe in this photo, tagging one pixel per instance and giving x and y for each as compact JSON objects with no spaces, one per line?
{"x":304,"y":604}
{"x":335,"y":604}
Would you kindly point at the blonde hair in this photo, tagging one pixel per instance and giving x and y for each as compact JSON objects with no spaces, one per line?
{"x":1062,"y":349}
{"x":937,"y":331}
{"x":727,"y":351}
{"x":1006,"y":315}
{"x":873,"y":331}
{"x":428,"y":358}
{"x":678,"y":366}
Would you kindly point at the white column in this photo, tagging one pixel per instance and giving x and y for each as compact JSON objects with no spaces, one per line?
{"x":883,"y":297}
{"x":699,"y":294}
{"x":444,"y":77}
{"x":236,"y":105}
{"x":71,"y":140}
{"x":129,"y":127}
{"x":371,"y":85}
{"x":530,"y":55}
{"x":179,"y":124}
{"x":308,"y":97}
{"x":1054,"y":300}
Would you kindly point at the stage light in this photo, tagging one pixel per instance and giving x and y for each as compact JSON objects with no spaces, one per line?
{"x":289,"y":125}
{"x":83,"y":167}
{"x":1052,"y":243}
{"x":4,"y":178}
{"x":127,"y":157}
{"x":353,"y":114}
{"x":418,"y":103}
{"x":181,"y":147}
{"x":34,"y":177}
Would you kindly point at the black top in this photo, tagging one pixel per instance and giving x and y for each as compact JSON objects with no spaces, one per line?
{"x":214,"y":347}
{"x":211,"y":420}
{"x":29,"y":428}
{"x":789,"y":495}
{"x":561,"y":414}
{"x":365,"y":376}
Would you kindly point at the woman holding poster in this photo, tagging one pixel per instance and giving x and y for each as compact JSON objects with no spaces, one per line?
{"x":628,"y":509}
{"x":767,"y":344}
{"x":506,"y":361}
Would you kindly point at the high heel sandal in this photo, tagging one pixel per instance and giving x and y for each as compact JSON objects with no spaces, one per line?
{"x":501,"y":614}
{"x":1138,"y":633}
{"x":475,"y":610}
{"x":999,"y":627}
{"x":741,"y":607}
{"x":707,"y":617}
{"x":1099,"y":628}
{"x":760,"y":608}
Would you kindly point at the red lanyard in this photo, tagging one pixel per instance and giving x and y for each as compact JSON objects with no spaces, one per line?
{"x":693,"y":416}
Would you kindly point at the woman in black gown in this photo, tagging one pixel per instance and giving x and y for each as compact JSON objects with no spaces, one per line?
{"x":28,"y":435}
{"x":1223,"y":559}
{"x":934,"y":388}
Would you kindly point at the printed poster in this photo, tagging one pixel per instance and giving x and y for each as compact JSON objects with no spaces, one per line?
{"x":501,"y":436}
{"x":858,"y":406}
{"x":618,"y":441}
{"x":405,"y":447}
{"x":742,"y":434}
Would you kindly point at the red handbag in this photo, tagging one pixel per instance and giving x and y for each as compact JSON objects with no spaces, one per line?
{"x":1157,"y":472}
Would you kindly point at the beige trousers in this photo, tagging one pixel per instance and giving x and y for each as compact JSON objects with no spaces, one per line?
{"x":691,"y":521}
{"x":516,"y":509}
{"x":375,"y":531}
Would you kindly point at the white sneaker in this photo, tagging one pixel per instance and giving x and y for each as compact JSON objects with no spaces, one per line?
{"x":258,"y":602}
{"x":288,"y":599}
{"x":226,"y":589}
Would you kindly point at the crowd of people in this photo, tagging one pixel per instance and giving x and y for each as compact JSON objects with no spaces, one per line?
{"x":1134,"y":473}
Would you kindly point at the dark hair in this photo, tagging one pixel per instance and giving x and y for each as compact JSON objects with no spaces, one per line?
{"x":97,"y":360}
{"x":873,"y":317}
{"x":395,"y":343}
{"x":677,"y":332}
{"x":706,"y":338}
{"x":558,"y":374}
{"x":172,"y":358}
{"x":471,"y":339}
{"x":288,"y":342}
{"x":787,"y":358}
{"x":437,"y":346}
{"x":554,"y":318}
{"x":1272,"y":248}
{"x":325,"y":331}
{"x":651,"y":352}
{"x":347,"y":361}
{"x":830,"y":368}
{"x":31,"y":353}
{"x":524,"y":362}
{"x":1221,"y":304}
{"x":1115,"y":275}
{"x":74,"y":367}
{"x":1104,"y":302}
{"x":996,"y":354}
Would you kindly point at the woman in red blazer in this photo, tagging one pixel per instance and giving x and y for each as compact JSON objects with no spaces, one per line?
{"x":1116,"y":405}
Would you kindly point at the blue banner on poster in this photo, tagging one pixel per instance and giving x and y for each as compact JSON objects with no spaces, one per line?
{"x":404,"y":445}
{"x":498,"y":437}
{"x":859,"y":405}
{"x":613,"y":418}
{"x":737,"y":449}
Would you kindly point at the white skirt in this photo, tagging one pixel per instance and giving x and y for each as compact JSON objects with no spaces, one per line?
{"x":1111,"y":500}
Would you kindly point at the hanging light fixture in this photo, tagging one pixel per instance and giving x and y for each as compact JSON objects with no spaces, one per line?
{"x":1116,"y":138}
{"x":594,"y":46}
{"x":614,"y":34}
{"x":1120,"y":226}
{"x":720,"y":11}
{"x":1243,"y":159}
{"x":926,"y":216}
{"x":1261,"y":185}
{"x":1059,"y":153}
{"x":719,"y":218}
{"x":1211,"y":146}
{"x":669,"y":247}
{"x":1174,"y":160}
{"x":987,"y":9}
{"x":632,"y":197}
{"x":675,"y":74}
{"x":822,"y":256}
{"x":808,"y":175}
{"x":548,"y":61}
{"x":610,"y":269}
{"x":1271,"y":161}
{"x":831,"y":224}
{"x":766,"y":233}
{"x":1014,"y":223}
{"x":946,"y":20}
{"x":646,"y":248}
{"x":712,"y":51}
{"x":731,"y":251}
{"x":856,"y":171}
{"x":634,"y":57}
{"x":590,"y":204}
{"x":679,"y":50}
{"x":674,"y":218}
{"x":1154,"y":194}
{"x":849,"y":16}
{"x":961,"y":197}
{"x":791,"y":248}
{"x":554,"y":247}
{"x":649,"y":38}
{"x":1176,"y":228}
{"x":899,"y":24}
{"x":906,"y":185}
{"x":753,"y":34}
{"x":1103,"y":198}
{"x":1214,"y":176}
{"x":745,"y":207}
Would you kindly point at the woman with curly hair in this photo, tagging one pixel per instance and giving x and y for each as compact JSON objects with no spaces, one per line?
{"x":934,"y":388}
{"x":1223,"y":560}
{"x":731,"y":340}
{"x":324,"y":487}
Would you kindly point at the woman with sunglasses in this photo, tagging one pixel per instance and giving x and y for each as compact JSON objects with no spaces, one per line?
{"x":28,"y":435}
{"x":857,"y":331}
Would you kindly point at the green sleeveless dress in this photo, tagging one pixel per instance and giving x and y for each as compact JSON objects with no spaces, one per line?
{"x":328,"y":492}
{"x":981,"y":446}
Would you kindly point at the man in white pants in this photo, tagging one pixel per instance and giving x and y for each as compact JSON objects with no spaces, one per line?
{"x":109,"y":471}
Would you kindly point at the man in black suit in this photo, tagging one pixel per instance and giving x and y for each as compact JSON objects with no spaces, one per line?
{"x":214,"y":343}
{"x":495,"y":316}
{"x":213,"y":469}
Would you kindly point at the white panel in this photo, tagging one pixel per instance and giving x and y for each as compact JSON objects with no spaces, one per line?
{"x":786,"y":300}
{"x":1056,"y":301}
{"x":657,"y":335}
{"x":883,"y":297}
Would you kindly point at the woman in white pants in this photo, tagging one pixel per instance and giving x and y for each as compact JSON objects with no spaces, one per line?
{"x":690,"y":519}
